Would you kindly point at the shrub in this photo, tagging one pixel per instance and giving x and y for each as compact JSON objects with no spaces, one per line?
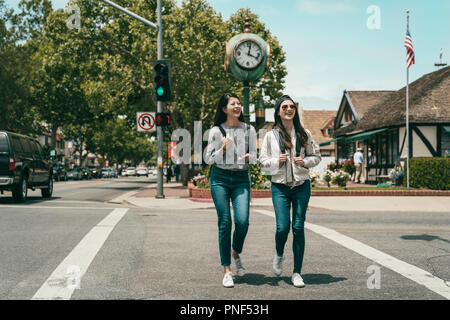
{"x":257,"y":179}
{"x":430,"y":173}
{"x":327,"y":177}
{"x":334,"y":166}
{"x":349,"y":166}
{"x":340,"y":178}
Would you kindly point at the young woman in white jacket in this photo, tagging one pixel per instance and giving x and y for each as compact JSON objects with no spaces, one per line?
{"x":287,"y":154}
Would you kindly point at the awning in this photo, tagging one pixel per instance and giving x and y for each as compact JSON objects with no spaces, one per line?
{"x":364,"y":135}
{"x":447,"y":129}
{"x":326,"y":143}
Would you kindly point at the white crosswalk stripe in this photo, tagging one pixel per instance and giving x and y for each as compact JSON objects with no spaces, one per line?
{"x":67,"y":276}
{"x":407,"y":270}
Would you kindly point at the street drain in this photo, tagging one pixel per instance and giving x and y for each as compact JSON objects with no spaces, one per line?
{"x":149,"y":215}
{"x":440,"y":267}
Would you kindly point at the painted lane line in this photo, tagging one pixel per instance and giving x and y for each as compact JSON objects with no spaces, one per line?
{"x":57,"y":286}
{"x":407,"y":270}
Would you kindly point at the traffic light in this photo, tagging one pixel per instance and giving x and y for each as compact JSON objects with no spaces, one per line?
{"x":161,"y":83}
{"x":162,"y":119}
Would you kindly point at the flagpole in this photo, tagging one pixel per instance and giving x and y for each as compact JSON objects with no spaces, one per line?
{"x":407,"y":112}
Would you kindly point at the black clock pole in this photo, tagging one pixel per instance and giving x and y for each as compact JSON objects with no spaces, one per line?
{"x":246,"y":94}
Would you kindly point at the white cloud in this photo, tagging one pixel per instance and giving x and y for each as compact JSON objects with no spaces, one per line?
{"x":323,"y":7}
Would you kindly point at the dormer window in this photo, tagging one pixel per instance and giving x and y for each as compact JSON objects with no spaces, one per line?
{"x":329,"y":132}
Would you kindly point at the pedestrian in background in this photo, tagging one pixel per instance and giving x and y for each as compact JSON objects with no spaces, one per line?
{"x":169,"y":174}
{"x":177,"y":172}
{"x":288,"y":152}
{"x":358,"y":159}
{"x":231,"y":147}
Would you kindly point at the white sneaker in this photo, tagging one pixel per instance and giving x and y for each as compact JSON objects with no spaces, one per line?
{"x":297,"y":280}
{"x":278,"y":265}
{"x":240,"y":269}
{"x":228,"y":280}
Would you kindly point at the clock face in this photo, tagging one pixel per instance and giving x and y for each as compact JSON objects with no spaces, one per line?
{"x":248,"y":54}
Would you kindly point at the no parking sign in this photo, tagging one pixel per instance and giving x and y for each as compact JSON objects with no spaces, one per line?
{"x":146,"y":121}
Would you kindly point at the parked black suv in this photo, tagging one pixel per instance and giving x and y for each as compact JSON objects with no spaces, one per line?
{"x":24,"y":165}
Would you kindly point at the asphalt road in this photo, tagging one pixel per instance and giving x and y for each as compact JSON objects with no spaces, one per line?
{"x":122,"y":252}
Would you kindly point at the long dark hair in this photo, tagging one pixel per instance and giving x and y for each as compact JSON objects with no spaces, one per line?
{"x":299,"y":130}
{"x":221,"y":117}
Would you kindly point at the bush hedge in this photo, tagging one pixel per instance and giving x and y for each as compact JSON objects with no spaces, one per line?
{"x":430,"y":173}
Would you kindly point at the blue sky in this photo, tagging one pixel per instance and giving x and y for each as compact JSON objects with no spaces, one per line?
{"x":330,"y":48}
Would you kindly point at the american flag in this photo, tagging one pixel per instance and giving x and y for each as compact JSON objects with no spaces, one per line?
{"x":409,"y":49}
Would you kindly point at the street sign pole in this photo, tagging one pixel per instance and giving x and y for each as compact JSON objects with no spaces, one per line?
{"x":160,"y":108}
{"x":159,"y":104}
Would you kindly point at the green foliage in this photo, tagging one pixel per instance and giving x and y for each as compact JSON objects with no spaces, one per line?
{"x":83,"y":80}
{"x":349,"y":166}
{"x":430,"y":173}
{"x":257,"y":179}
{"x":15,"y":67}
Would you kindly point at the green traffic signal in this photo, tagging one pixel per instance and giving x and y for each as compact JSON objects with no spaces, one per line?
{"x":161,"y":80}
{"x":160,"y":91}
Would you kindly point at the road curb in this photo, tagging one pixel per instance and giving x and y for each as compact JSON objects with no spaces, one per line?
{"x":123,"y":197}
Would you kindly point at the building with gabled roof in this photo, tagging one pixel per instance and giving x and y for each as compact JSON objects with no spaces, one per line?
{"x":376,"y":121}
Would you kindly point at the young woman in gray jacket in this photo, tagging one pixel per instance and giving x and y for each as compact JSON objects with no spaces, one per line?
{"x":287,"y":154}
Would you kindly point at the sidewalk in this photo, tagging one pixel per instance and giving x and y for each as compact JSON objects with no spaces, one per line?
{"x":177,"y":197}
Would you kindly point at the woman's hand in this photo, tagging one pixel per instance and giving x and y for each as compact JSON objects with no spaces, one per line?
{"x":246,"y":158}
{"x":226,"y":142}
{"x":299,"y":161}
{"x":283,"y":157}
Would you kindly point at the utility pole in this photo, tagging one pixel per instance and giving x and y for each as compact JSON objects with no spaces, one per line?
{"x":159,"y":104}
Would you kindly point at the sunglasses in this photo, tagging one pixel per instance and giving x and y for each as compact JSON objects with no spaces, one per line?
{"x":291,"y":106}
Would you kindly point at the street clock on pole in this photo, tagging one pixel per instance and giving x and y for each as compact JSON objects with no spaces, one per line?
{"x":247,"y":55}
{"x":246,"y":58}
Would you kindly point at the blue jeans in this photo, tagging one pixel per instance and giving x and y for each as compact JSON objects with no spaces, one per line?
{"x":282,"y":198}
{"x":234,"y":185}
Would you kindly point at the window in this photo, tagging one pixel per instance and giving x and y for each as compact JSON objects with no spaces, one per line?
{"x":329,"y":132}
{"x":348,"y":115}
{"x":35,"y":147}
{"x":26,"y":147}
{"x":17,"y":146}
{"x":3,"y":143}
{"x":41,"y":151}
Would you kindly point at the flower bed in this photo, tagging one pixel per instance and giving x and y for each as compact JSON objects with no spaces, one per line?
{"x":203,"y":193}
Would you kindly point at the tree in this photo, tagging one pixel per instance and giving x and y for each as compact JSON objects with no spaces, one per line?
{"x":15,"y":67}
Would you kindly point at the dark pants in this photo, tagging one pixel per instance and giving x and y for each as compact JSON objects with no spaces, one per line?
{"x":234,"y":185}
{"x":282,"y":198}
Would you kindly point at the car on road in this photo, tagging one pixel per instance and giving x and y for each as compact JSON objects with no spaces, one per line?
{"x":86,"y":174}
{"x":124,"y":172}
{"x":142,"y":172}
{"x":131,"y":171}
{"x":113,"y":172}
{"x":74,"y":174}
{"x":106,"y":173}
{"x":95,"y":172}
{"x":153,"y":172}
{"x":24,"y":165}
{"x":59,"y":172}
